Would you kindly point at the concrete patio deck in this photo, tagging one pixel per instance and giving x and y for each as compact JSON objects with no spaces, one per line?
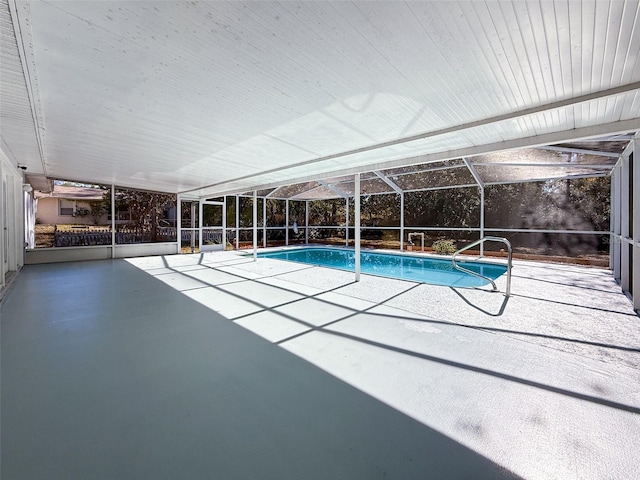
{"x":215,"y":366}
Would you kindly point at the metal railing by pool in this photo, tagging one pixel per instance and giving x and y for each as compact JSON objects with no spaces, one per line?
{"x":470,"y":272}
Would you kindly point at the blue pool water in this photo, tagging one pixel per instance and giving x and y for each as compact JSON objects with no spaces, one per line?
{"x":407,"y":267}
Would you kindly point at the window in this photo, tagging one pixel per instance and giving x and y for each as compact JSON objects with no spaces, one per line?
{"x":66,"y":207}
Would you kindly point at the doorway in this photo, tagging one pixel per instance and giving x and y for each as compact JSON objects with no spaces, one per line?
{"x":212,"y":221}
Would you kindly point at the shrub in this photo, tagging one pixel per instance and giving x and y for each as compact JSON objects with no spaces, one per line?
{"x":81,"y":212}
{"x":443,"y":247}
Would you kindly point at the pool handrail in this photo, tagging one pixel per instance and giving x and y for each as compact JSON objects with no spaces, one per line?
{"x":470,"y":272}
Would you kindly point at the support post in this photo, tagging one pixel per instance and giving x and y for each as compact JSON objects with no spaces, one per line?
{"x":400,"y":192}
{"x":635,"y":287}
{"x":179,"y":223}
{"x":255,"y":225}
{"x":614,"y":238}
{"x":113,"y":221}
{"x":346,"y":232}
{"x":401,"y":221}
{"x":482,"y":219}
{"x":200,"y":219}
{"x":625,"y":260}
{"x":264,"y":222}
{"x":306,"y":221}
{"x":356,"y":200}
{"x":480,"y":182}
{"x":286,"y":222}
{"x":224,"y":223}
{"x":237,"y":222}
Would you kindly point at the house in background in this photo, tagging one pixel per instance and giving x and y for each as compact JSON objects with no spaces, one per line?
{"x":69,"y":204}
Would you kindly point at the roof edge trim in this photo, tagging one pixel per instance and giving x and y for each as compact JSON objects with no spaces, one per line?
{"x":31,"y":82}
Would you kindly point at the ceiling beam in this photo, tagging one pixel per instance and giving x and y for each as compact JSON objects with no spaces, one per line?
{"x":335,"y":190}
{"x":473,"y":171}
{"x":453,"y":129}
{"x":388,"y":181}
{"x":584,"y":133}
{"x":548,"y":165}
{"x":615,"y":138}
{"x":544,"y":179}
{"x":579,"y":150}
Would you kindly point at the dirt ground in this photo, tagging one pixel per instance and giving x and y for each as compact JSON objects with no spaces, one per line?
{"x":45,"y":234}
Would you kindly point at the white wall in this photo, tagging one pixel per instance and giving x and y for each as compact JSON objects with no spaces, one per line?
{"x":75,"y":254}
{"x":67,"y":254}
{"x":625,"y":213}
{"x":11,"y":218}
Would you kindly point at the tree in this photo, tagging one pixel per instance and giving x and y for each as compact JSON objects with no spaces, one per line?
{"x":97,"y":209}
{"x":146,"y":209}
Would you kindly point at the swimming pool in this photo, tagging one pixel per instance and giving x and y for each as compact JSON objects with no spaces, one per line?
{"x":406,"y":267}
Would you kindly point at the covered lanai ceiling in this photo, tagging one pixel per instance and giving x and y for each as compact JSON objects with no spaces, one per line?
{"x":222,"y":97}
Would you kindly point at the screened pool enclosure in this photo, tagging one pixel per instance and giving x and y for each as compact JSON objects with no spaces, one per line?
{"x":549,"y":201}
{"x":552,"y":202}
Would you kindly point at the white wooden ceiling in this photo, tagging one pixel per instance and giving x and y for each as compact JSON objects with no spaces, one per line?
{"x":221,"y":97}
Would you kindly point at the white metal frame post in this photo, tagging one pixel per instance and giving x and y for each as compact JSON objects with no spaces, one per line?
{"x":482,"y":219}
{"x":255,"y":225}
{"x":480,"y":182}
{"x":286,"y":221}
{"x":224,"y":223}
{"x":113,"y":221}
{"x":401,"y":221}
{"x":624,"y":224}
{"x":179,"y":223}
{"x":356,"y":200}
{"x":399,"y":191}
{"x":306,"y":221}
{"x":193,"y":227}
{"x":614,"y":237}
{"x":204,"y":247}
{"x":635,"y":293}
{"x":264,"y":222}
{"x":18,"y":233}
{"x":237,"y":222}
{"x":614,"y":227}
{"x":346,"y":232}
{"x":28,"y":215}
{"x":200,"y":218}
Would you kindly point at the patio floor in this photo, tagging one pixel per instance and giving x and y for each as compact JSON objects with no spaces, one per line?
{"x":215,"y":366}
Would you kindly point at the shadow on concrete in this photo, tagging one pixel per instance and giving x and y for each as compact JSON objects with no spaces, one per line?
{"x":500,"y":311}
{"x":323,"y":328}
{"x":143,"y":382}
{"x":531,"y":334}
{"x":547,"y":300}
